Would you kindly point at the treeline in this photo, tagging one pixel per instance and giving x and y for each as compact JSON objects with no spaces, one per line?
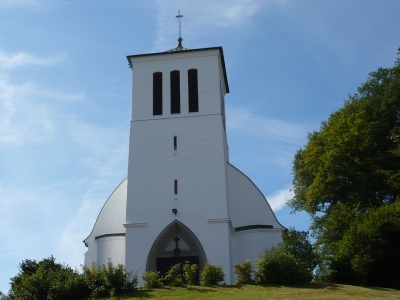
{"x":290,"y":262}
{"x":348,"y":179}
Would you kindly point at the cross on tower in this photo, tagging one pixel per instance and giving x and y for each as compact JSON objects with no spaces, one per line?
{"x":179,"y":16}
{"x":177,"y":250}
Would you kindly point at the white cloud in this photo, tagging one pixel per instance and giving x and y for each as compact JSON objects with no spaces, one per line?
{"x":25,"y":113}
{"x":21,"y":119}
{"x":278,"y":199}
{"x":243,"y":120}
{"x":203,"y":17}
{"x":40,"y":216}
{"x":14,"y":60}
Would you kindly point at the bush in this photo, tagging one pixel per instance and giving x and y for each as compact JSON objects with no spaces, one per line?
{"x":108,"y":280}
{"x":244,"y":272}
{"x":277,"y":266}
{"x":152,"y":280}
{"x":291,"y":262}
{"x":174,"y":276}
{"x":211,"y":275}
{"x":190,"y":273}
{"x":46,"y":279}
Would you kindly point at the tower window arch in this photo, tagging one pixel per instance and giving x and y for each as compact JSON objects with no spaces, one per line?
{"x":157,"y":93}
{"x":175,"y":92}
{"x":193,"y":90}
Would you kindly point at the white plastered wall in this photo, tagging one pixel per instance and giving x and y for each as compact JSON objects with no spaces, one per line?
{"x":111,"y":248}
{"x":198,"y":164}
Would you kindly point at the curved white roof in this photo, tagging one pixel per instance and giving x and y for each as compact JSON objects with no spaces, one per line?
{"x":248,"y":208}
{"x":112,"y":216}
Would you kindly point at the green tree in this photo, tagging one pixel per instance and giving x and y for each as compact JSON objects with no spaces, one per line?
{"x":349,"y":169}
{"x":47,"y":279}
{"x":297,"y":244}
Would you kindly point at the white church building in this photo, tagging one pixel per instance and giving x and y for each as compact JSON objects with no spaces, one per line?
{"x":182,"y":199}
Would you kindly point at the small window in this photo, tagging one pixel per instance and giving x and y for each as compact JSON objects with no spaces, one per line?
{"x":176,"y":186}
{"x":175,"y":143}
{"x":193,"y":91}
{"x":175,"y":92}
{"x":157,"y":93}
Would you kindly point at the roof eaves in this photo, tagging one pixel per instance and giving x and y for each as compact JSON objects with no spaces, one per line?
{"x":185,"y":51}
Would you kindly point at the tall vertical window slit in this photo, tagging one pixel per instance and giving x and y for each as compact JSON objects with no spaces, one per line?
{"x":193,"y":90}
{"x":175,"y":92}
{"x":176,"y":186}
{"x":157,"y":93}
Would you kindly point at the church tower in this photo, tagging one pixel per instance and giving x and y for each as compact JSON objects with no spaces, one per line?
{"x":182,"y":200}
{"x":177,"y":157}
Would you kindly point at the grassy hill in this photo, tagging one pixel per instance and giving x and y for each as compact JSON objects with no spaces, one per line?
{"x":254,"y":292}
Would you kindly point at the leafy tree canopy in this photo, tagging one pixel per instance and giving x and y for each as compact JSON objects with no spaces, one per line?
{"x":348,"y":176}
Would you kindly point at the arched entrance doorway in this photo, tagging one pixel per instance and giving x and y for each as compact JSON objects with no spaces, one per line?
{"x":175,"y":244}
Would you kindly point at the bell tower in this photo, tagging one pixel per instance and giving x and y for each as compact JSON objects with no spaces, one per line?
{"x":178,"y":154}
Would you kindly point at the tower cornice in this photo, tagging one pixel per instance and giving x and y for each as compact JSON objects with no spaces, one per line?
{"x":139,"y":57}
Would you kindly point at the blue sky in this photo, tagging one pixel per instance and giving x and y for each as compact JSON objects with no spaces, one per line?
{"x":65,"y":98}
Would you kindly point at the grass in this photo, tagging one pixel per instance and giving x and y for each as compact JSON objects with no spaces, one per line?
{"x":254,"y":292}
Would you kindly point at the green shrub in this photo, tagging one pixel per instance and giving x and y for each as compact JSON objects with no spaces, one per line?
{"x":152,"y":280}
{"x":211,"y":275}
{"x":244,"y":272}
{"x":190,"y":273}
{"x":46,"y":279}
{"x":108,"y":280}
{"x":174,"y":276}
{"x":277,"y":266}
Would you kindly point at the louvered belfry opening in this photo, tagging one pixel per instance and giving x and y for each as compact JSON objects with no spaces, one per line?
{"x":157,"y":93}
{"x":175,"y":93}
{"x":193,"y":91}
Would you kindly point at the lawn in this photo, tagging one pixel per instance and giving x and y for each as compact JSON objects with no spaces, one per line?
{"x":253,"y":292}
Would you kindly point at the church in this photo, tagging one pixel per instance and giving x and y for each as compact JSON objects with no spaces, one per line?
{"x":182,"y":200}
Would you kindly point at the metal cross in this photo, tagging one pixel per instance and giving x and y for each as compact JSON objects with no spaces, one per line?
{"x":176,"y":250}
{"x":176,"y":239}
{"x":179,"y":16}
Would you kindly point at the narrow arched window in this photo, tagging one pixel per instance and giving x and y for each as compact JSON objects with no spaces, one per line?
{"x":193,"y":91}
{"x":175,"y":92}
{"x":157,"y":93}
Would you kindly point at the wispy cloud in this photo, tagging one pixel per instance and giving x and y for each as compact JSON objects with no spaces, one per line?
{"x":14,"y":60}
{"x":44,"y":134}
{"x":21,"y":119}
{"x":278,"y":199}
{"x":205,"y":16}
{"x":243,"y":120}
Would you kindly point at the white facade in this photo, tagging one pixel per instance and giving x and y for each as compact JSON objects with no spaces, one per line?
{"x":221,"y":216}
